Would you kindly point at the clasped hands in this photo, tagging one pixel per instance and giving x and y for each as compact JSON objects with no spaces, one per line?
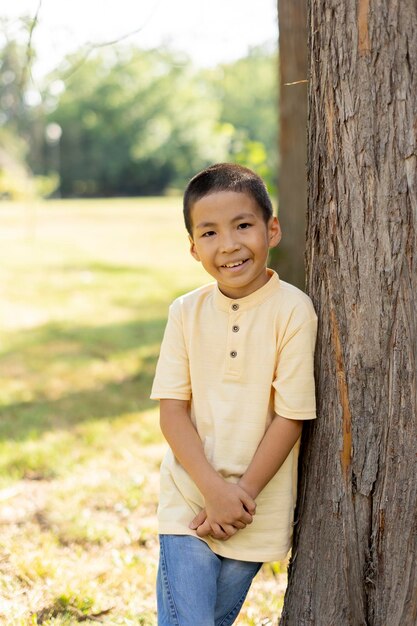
{"x":228,"y":509}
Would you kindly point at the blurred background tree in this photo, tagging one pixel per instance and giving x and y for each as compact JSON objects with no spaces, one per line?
{"x":125,"y":121}
{"x":134,"y":122}
{"x":15,"y":118}
{"x":247,"y":92}
{"x":289,"y":257}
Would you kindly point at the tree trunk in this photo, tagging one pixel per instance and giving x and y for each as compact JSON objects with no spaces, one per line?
{"x":292,"y":179}
{"x":354,"y":554}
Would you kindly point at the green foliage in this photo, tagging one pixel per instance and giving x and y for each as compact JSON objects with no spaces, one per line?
{"x":134,"y":122}
{"x":16,"y":119}
{"x":138,"y":122}
{"x":247,"y":91}
{"x":46,"y":186}
{"x":13,"y":85}
{"x":253,"y":154}
{"x":15,"y":179}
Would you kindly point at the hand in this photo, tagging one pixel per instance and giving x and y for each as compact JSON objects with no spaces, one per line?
{"x":228,"y":509}
{"x":201,"y":525}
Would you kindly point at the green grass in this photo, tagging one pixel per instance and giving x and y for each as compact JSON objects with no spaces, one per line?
{"x":86,"y":287}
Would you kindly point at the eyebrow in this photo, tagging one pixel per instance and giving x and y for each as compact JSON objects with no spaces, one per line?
{"x":239,"y":217}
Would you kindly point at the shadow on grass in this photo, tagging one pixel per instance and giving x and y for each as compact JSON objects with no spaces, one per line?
{"x":56,"y":357}
{"x":60,"y":375}
{"x":29,"y":420}
{"x":62,"y":341}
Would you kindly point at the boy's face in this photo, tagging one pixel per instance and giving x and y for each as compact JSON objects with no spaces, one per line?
{"x":231,"y":239}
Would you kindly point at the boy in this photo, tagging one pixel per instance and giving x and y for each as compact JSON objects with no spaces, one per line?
{"x":235,"y":382}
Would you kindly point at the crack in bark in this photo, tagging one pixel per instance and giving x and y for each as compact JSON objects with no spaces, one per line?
{"x":346,"y":451}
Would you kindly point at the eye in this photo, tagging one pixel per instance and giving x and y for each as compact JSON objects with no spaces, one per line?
{"x":244,"y":226}
{"x":209,"y":233}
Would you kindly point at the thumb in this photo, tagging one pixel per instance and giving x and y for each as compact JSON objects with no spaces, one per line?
{"x":248,"y":503}
{"x":204,"y":529}
{"x":198,"y":520}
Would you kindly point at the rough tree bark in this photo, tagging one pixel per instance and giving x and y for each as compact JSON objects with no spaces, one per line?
{"x":354,"y":554}
{"x":292,"y":179}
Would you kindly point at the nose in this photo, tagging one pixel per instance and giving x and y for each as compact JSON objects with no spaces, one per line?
{"x":229,"y":243}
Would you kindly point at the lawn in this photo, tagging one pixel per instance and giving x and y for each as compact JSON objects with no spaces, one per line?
{"x":85,"y":291}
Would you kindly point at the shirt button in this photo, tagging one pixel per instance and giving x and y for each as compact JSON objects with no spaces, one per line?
{"x":235,"y":307}
{"x":233,"y":354}
{"x":235,"y":329}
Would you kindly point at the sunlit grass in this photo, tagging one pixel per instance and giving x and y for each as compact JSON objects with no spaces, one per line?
{"x":86,"y":287}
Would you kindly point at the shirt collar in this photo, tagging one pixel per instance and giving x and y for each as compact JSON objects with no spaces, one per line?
{"x":224,"y":303}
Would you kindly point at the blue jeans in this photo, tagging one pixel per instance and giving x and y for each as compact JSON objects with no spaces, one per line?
{"x":196,"y":587}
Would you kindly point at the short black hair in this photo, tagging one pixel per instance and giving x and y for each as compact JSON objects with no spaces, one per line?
{"x":226,"y":177}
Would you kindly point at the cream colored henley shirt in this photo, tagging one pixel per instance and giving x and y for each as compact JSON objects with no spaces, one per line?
{"x":237,"y":362}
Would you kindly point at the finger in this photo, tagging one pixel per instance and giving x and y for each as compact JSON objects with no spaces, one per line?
{"x":217,"y":532}
{"x":229,"y":530}
{"x":248,"y":503}
{"x":246,"y":518}
{"x":204,"y":529}
{"x":198,"y":520}
{"x":239,"y":525}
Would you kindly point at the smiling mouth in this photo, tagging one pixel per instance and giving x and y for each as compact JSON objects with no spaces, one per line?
{"x":235,"y":264}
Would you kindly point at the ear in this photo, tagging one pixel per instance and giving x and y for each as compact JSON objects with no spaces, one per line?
{"x":193,"y":250}
{"x":274,"y":232}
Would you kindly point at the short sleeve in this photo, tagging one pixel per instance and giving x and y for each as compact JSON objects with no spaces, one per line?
{"x":172,"y":376}
{"x":294,"y":385}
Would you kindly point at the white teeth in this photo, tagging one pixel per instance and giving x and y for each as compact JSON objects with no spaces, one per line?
{"x":234,"y":264}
